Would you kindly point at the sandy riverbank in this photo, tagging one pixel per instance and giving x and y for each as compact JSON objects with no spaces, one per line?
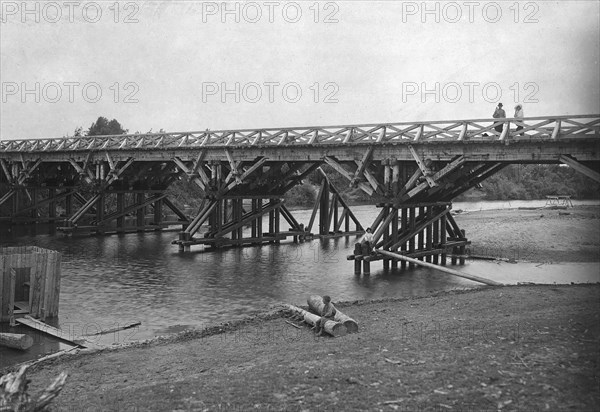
{"x":509,"y":348}
{"x":540,"y":235}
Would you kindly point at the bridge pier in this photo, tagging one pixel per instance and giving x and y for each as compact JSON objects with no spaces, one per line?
{"x":424,"y":231}
{"x":224,"y":221}
{"x":36,"y":205}
{"x":233,"y":203}
{"x":119,"y":211}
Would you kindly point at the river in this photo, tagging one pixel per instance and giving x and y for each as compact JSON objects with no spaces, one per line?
{"x":113,"y":280}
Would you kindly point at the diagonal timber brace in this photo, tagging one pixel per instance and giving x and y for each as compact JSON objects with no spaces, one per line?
{"x":580,"y":167}
{"x":341,"y":170}
{"x":450,"y":167}
{"x":424,"y":169}
{"x":9,"y":176}
{"x":83,"y":171}
{"x":132,"y":208}
{"x":326,"y":204}
{"x":196,"y":174}
{"x":362,"y":164}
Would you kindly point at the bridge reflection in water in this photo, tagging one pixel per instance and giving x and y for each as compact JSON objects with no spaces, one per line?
{"x":412,"y":171}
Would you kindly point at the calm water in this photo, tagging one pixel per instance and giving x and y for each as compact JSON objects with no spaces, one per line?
{"x":113,"y":280}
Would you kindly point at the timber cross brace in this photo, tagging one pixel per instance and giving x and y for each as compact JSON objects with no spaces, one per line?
{"x":412,"y":170}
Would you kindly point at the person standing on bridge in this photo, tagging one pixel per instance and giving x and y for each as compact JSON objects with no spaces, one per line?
{"x":519,"y":115}
{"x":499,"y":113}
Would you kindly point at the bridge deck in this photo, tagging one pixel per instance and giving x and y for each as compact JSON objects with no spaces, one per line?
{"x":450,"y":137}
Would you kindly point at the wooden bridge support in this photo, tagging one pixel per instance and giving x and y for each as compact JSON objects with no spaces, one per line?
{"x":120,"y":211}
{"x":250,"y":194}
{"x":226,"y":219}
{"x":37,"y":205}
{"x":327,"y":204}
{"x":95,"y":194}
{"x":425,"y":231}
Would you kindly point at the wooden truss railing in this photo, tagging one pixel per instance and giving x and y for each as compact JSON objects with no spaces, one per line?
{"x":547,"y":127}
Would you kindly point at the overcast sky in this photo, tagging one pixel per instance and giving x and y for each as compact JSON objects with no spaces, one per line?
{"x":187,"y":65}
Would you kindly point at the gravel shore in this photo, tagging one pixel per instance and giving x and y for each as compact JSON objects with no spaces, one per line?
{"x":503,"y":348}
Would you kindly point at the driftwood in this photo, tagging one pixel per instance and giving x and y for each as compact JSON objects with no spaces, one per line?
{"x":332,"y":328}
{"x":293,"y":324}
{"x":14,"y":396}
{"x":315,"y":303}
{"x":116,"y":329}
{"x":16,"y":341}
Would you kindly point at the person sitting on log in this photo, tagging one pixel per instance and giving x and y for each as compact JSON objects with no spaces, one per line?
{"x":328,"y":313}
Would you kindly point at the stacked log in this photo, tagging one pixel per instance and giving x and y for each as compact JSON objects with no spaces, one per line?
{"x":16,"y":341}
{"x":316,"y":304}
{"x":334,"y":329}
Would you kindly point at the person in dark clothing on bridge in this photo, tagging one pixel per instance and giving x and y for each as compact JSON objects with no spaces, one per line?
{"x":499,"y":113}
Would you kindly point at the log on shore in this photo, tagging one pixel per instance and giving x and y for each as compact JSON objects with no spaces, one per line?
{"x":334,"y":329}
{"x":16,"y":341}
{"x":315,"y":303}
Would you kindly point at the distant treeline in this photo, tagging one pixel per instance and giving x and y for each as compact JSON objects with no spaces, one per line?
{"x":522,"y":182}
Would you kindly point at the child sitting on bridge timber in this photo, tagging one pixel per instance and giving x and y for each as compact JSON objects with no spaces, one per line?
{"x":327,"y":313}
{"x":368,"y":239}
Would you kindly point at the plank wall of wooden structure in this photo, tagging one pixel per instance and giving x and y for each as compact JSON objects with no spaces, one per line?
{"x":413,"y":170}
{"x":30,"y":279}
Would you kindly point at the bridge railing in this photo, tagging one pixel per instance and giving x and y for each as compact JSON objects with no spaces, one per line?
{"x":548,"y":127}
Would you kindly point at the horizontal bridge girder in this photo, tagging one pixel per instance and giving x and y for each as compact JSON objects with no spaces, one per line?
{"x":532,"y":151}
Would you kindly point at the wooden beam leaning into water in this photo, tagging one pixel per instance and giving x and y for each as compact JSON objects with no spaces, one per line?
{"x":335,"y":329}
{"x":316,"y":304}
{"x":58,"y":333}
{"x":443,"y":269}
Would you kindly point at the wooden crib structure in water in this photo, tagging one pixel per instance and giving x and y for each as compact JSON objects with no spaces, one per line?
{"x":29,"y":282}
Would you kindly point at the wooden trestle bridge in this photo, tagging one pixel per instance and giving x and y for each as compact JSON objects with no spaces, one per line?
{"x":104,"y":184}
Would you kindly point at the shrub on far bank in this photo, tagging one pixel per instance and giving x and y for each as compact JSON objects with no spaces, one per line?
{"x":526,"y":182}
{"x":301,"y":196}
